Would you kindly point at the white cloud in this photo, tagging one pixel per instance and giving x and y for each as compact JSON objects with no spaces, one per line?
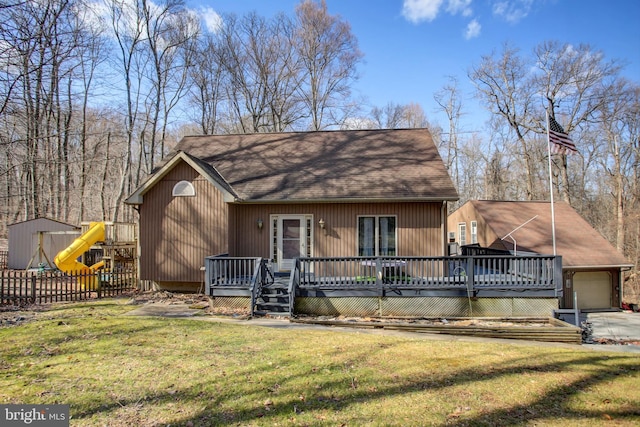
{"x":212,"y":21}
{"x":421,"y":10}
{"x":462,"y":7}
{"x":512,"y":10}
{"x":473,"y":30}
{"x":427,"y":10}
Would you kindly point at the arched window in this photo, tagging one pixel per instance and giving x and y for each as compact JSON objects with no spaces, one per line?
{"x":183,"y":189}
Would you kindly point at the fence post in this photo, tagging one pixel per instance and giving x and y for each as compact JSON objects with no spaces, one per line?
{"x":33,"y":289}
{"x":96,"y":277}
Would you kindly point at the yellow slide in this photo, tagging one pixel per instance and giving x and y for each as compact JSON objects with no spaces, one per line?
{"x":66,"y":260}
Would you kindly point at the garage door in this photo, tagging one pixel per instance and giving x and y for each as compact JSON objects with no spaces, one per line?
{"x":594,"y":289}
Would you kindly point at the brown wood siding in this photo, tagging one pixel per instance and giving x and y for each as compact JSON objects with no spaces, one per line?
{"x":419,"y":227}
{"x":486,"y":236}
{"x":177,"y":233}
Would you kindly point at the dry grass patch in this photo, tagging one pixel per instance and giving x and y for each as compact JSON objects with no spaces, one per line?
{"x":121,"y":371}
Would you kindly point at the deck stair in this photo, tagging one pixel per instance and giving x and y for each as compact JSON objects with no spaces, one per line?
{"x":274,"y":298}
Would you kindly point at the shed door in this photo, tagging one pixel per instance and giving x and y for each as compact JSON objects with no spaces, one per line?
{"x":291,"y":240}
{"x":593,"y":289}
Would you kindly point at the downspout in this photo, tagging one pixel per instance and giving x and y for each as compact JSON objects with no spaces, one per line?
{"x":443,"y":215}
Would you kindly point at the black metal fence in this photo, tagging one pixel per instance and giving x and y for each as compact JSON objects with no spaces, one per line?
{"x":19,"y":287}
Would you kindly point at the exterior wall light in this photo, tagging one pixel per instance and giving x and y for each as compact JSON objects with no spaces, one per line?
{"x":321,"y":223}
{"x":260,"y":223}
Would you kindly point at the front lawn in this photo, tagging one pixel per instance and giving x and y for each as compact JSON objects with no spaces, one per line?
{"x":127,"y":371}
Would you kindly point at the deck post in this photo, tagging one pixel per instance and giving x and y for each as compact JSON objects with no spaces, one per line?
{"x":557,"y":276}
{"x":207,"y":276}
{"x":379,"y":274}
{"x":469,"y":272}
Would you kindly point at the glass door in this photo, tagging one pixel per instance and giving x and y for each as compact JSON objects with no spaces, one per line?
{"x":291,"y":239}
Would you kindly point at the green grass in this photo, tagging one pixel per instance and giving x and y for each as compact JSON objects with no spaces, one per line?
{"x":127,"y":371}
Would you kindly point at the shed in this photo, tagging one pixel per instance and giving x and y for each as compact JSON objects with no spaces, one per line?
{"x":37,"y":241}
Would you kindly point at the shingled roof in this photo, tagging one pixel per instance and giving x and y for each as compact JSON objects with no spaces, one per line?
{"x":576,"y":240}
{"x":360,"y":165}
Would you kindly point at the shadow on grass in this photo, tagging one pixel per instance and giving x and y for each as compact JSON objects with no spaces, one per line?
{"x":555,"y":404}
{"x":267,"y":402}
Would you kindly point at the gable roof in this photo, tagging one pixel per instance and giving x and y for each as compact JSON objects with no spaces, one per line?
{"x":46,"y":221}
{"x":204,"y":169}
{"x":576,"y":240}
{"x":360,"y":165}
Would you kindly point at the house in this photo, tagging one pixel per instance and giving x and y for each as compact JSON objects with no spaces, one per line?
{"x":281,"y":196}
{"x":37,"y":241}
{"x":592,"y":267}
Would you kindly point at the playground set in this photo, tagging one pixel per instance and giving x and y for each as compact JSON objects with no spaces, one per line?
{"x":102,"y":249}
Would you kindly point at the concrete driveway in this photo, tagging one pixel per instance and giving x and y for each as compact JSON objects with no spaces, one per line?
{"x":617,"y":326}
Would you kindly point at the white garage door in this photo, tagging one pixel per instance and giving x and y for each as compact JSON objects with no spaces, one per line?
{"x":594,"y":289}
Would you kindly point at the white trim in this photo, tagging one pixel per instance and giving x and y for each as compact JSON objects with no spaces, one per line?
{"x":137,"y":197}
{"x":474,"y":232}
{"x":275,"y":237}
{"x":183,"y":189}
{"x":462,"y":237}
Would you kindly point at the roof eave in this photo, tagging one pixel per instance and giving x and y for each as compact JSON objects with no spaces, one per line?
{"x":137,"y":197}
{"x":348,"y":200}
{"x":595,"y":267}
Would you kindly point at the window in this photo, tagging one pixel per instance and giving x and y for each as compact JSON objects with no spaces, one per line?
{"x":183,"y":189}
{"x":474,"y":232}
{"x":377,"y":236}
{"x":462,"y":233}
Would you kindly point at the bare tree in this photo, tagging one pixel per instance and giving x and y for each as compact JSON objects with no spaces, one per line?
{"x":127,"y":26}
{"x":170,"y":34}
{"x":388,"y":117}
{"x":449,"y":101}
{"x":503,"y":83}
{"x":578,"y":81}
{"x":329,"y":55}
{"x":206,"y":78}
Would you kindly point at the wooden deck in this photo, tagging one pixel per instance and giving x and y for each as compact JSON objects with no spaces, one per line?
{"x":478,"y":276}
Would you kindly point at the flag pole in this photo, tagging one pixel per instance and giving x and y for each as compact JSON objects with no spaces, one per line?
{"x":553,"y":216}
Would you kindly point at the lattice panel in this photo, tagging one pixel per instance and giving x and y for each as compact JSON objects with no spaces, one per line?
{"x":425,"y":307}
{"x":350,"y":306}
{"x":492,"y":307}
{"x":534,"y":306}
{"x":230,"y":302}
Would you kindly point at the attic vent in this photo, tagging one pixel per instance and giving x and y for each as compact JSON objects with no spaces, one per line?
{"x":183,"y":189}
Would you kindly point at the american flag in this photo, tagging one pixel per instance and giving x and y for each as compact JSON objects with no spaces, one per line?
{"x":561,"y":143}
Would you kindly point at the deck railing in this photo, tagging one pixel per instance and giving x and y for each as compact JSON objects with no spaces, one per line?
{"x":471,"y":272}
{"x":536,"y":275}
{"x":238,"y":276}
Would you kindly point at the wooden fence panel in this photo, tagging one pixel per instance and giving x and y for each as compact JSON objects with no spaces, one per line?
{"x":19,"y":287}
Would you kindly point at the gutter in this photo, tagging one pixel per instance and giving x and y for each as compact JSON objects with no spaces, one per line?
{"x":346,"y":200}
{"x":622,"y":267}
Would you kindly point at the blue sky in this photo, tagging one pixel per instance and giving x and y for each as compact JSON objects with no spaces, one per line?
{"x":411,"y":47}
